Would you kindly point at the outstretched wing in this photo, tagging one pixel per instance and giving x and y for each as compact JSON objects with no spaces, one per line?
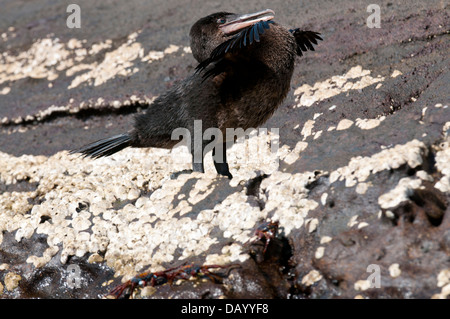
{"x":305,"y":40}
{"x":242,"y":39}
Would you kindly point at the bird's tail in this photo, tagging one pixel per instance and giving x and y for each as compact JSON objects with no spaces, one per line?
{"x":105,"y":147}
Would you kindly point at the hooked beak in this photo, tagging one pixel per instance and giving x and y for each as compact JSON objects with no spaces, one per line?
{"x":246,"y":20}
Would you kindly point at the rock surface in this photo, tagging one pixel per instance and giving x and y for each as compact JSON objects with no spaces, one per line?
{"x":359,"y":180}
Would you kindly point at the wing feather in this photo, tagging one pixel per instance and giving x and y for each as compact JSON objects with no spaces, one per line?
{"x":305,"y":40}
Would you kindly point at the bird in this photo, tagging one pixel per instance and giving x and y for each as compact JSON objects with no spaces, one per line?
{"x":245,"y":66}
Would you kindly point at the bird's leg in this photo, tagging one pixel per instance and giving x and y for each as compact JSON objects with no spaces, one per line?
{"x":220,"y":160}
{"x":219,"y":156}
{"x":197,"y":157}
{"x":197,"y":161}
{"x":198,"y":167}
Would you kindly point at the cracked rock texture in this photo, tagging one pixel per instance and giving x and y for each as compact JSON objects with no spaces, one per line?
{"x":359,"y":178}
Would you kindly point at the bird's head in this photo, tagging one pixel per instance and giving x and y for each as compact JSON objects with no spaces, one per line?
{"x":210,"y":31}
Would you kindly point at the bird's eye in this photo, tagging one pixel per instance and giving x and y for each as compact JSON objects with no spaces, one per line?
{"x":221,"y":21}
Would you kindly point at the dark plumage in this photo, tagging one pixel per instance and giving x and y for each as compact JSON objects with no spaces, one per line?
{"x":245,"y":68}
